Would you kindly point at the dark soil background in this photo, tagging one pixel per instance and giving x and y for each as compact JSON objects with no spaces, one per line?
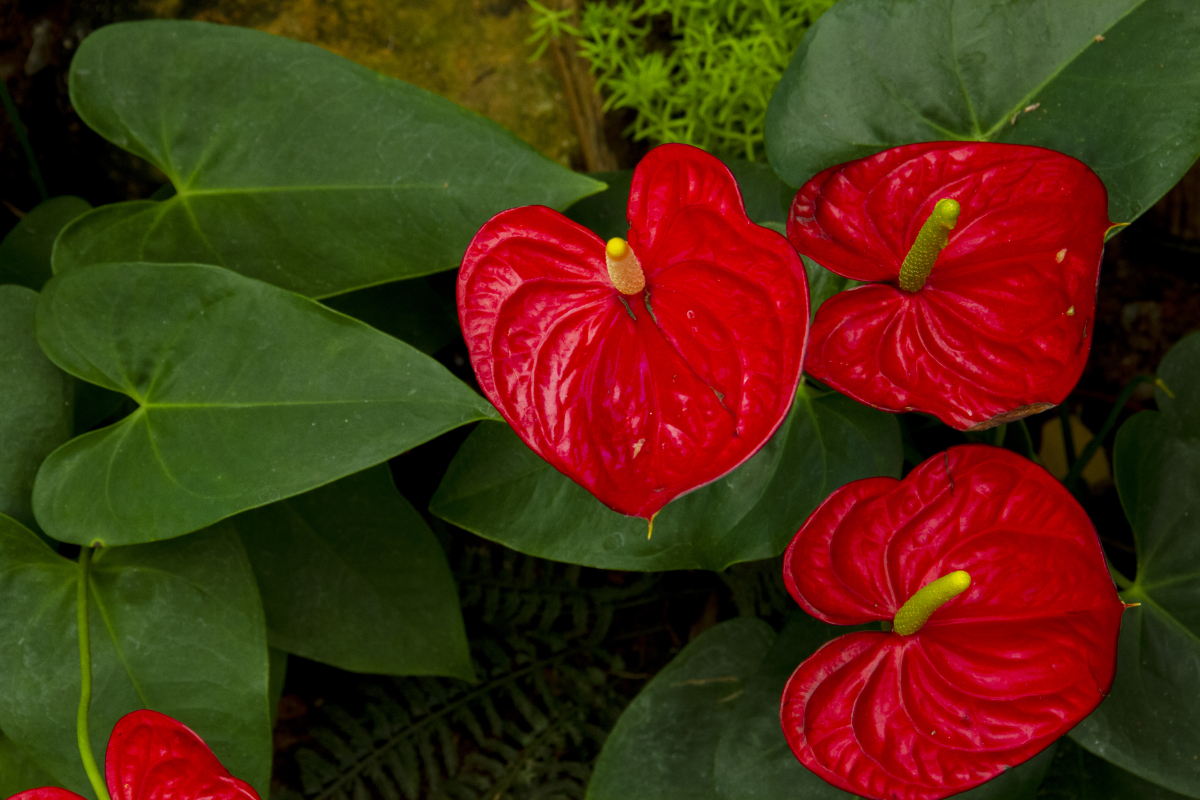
{"x":1149,"y":297}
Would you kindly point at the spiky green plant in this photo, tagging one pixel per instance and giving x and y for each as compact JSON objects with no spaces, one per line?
{"x":694,"y":71}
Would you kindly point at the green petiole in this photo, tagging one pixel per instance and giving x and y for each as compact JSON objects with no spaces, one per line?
{"x":85,"y":683}
{"x":1085,"y":457}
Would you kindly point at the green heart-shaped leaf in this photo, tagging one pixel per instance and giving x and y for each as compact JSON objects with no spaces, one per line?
{"x":664,"y":745}
{"x":291,"y":164}
{"x":25,"y":251}
{"x":35,"y":403}
{"x":175,"y":626}
{"x":18,"y":771}
{"x":351,"y":575}
{"x":604,"y":213}
{"x":246,"y":394}
{"x":707,"y":726}
{"x":1076,"y":774}
{"x":412,"y":311}
{"x":754,"y":759}
{"x":277,"y":663}
{"x":1147,"y":725}
{"x":767,"y":199}
{"x":1110,"y":82}
{"x":500,"y":489}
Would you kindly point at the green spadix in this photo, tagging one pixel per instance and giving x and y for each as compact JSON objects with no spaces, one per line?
{"x":928,"y":599}
{"x":930,"y":241}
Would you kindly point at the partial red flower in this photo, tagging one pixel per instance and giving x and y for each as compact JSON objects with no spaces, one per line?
{"x":647,"y":368}
{"x":1019,"y":645}
{"x":153,"y":757}
{"x":992,"y":328}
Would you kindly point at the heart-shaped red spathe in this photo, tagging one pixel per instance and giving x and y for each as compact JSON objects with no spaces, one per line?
{"x":639,"y":398}
{"x":151,"y":756}
{"x":996,"y":674}
{"x":1003,"y":324}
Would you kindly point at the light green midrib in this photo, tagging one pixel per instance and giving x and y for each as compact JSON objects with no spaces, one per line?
{"x":443,"y":186}
{"x":184,"y":194}
{"x":1023,"y":102}
{"x":149,"y":406}
{"x":962,"y":85}
{"x":1146,"y":587}
{"x":116,"y":643}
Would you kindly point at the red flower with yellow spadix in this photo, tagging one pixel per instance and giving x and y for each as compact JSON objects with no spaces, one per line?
{"x":154,"y":757}
{"x":998,"y":618}
{"x":645,"y":368}
{"x":981,"y":262}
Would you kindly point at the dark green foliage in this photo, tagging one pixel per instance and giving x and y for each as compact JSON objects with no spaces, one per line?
{"x":1147,"y":724}
{"x":547,"y":691}
{"x":1076,"y":774}
{"x":758,"y":589}
{"x":500,"y":489}
{"x":291,"y":165}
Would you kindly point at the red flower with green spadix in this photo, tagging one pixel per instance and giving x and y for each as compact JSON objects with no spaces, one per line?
{"x":640,"y":368}
{"x":998,"y":625}
{"x":981,"y":262}
{"x":153,"y":757}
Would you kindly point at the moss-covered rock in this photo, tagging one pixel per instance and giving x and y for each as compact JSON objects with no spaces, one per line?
{"x":470,"y":51}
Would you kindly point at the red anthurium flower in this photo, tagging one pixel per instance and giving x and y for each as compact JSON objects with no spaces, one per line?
{"x":153,"y":757}
{"x":645,"y":368}
{"x":993,"y":327}
{"x":1003,"y":619}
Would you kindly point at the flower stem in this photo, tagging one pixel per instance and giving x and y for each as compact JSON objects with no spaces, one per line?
{"x":1085,"y":456}
{"x":85,"y":674}
{"x":1120,"y":580}
{"x":998,"y":435}
{"x":10,"y":108}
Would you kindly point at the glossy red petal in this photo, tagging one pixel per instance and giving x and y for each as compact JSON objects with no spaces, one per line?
{"x":639,"y":399}
{"x":1004,"y":321}
{"x":996,"y":674}
{"x":154,"y":757}
{"x":46,"y":793}
{"x":810,"y":565}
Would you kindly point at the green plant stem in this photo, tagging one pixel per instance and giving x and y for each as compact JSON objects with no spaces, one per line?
{"x":1086,"y":456}
{"x":1068,"y":437}
{"x":1120,"y":580}
{"x":1027,"y":440}
{"x":85,"y":674}
{"x":998,"y":435}
{"x":10,"y":108}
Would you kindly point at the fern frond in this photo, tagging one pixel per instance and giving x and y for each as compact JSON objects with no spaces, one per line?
{"x":532,"y":725}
